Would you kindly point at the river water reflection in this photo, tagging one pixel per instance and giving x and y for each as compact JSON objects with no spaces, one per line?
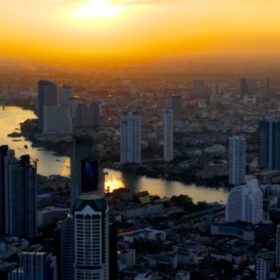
{"x":49,"y":164}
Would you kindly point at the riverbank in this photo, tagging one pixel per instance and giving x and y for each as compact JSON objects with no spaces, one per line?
{"x":158,"y":170}
{"x":49,"y":164}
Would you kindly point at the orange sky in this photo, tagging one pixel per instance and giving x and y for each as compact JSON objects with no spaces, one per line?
{"x":60,"y":29}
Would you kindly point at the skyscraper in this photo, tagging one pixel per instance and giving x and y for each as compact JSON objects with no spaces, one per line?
{"x":175,"y":103}
{"x":35,"y":266}
{"x":86,"y":171}
{"x":168,"y":134}
{"x":91,"y":238}
{"x":54,"y":108}
{"x":237,"y":160}
{"x":269,"y":144}
{"x":277,"y":249}
{"x":130,"y":138}
{"x":245,"y":203}
{"x":47,"y":95}
{"x":5,"y":157}
{"x":17,"y":194}
{"x":67,"y":230}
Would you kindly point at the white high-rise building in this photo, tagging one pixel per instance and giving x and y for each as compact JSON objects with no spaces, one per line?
{"x":168,"y":134}
{"x":245,"y":203}
{"x":237,"y":160}
{"x":91,"y":238}
{"x":130,"y":138}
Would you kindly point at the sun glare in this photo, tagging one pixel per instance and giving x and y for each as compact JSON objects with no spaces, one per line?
{"x":97,"y":9}
{"x":112,"y":184}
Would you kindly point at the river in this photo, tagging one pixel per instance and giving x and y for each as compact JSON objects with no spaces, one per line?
{"x":49,"y":164}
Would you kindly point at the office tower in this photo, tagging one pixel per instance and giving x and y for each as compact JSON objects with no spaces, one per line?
{"x":237,"y":160}
{"x":65,"y":94}
{"x":92,"y":238}
{"x":176,"y":104}
{"x":47,"y":95}
{"x":86,"y":171}
{"x":245,"y":203}
{"x":269,"y":144}
{"x":248,"y":87}
{"x":168,"y":134}
{"x":277,"y":250}
{"x":265,"y":265}
{"x":67,"y":235}
{"x":35,"y":266}
{"x":17,"y":195}
{"x":57,"y":119}
{"x":130,"y":138}
{"x":198,"y":88}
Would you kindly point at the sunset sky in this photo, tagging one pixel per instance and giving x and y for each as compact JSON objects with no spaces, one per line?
{"x":135,"y":29}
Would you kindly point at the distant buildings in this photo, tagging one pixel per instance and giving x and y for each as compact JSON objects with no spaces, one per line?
{"x":47,"y":95}
{"x":168,"y":134}
{"x":17,"y":195}
{"x":198,"y":88}
{"x":88,"y":116}
{"x":248,"y":87}
{"x":237,"y":160}
{"x":268,"y":88}
{"x":269,"y":144}
{"x":176,"y":104}
{"x":245,"y":203}
{"x":35,"y":266}
{"x":54,"y":108}
{"x":57,"y":119}
{"x":92,"y":238}
{"x":130,"y":138}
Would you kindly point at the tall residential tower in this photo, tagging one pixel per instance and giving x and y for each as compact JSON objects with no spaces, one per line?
{"x":269,"y":144}
{"x":237,"y":160}
{"x":168,"y":134}
{"x":130,"y":138}
{"x":91,"y":238}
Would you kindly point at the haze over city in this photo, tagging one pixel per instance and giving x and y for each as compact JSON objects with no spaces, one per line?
{"x":139,"y":140}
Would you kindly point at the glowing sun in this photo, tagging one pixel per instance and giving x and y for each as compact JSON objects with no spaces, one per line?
{"x":97,"y":9}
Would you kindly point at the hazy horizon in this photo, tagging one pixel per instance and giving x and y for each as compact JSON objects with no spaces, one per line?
{"x":100,"y":31}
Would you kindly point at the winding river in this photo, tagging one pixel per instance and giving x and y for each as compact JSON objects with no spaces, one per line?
{"x":49,"y":164}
